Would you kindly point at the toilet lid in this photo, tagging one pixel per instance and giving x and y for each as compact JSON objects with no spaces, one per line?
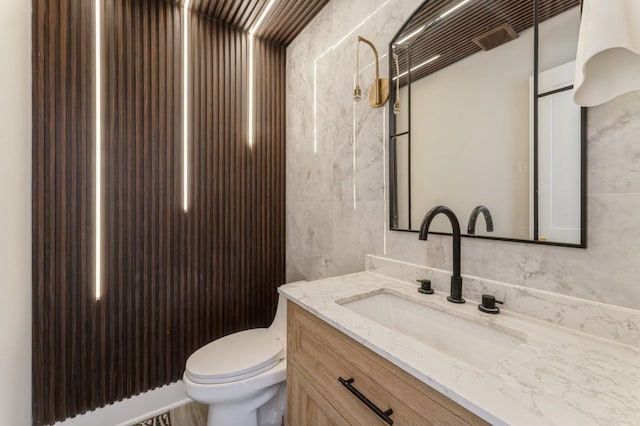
{"x":235,"y":357}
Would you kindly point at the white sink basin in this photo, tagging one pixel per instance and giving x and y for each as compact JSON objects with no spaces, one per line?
{"x":475,"y":344}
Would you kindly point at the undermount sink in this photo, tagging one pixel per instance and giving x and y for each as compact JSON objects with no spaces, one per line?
{"x":475,"y":344}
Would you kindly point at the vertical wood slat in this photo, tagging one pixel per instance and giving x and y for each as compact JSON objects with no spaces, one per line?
{"x":172,"y":281}
{"x":241,"y":253}
{"x":62,"y":158}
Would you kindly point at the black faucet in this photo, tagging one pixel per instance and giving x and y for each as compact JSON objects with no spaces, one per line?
{"x":471,"y":226}
{"x":456,"y":279}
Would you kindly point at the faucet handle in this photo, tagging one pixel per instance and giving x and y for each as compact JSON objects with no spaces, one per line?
{"x":425,"y":286}
{"x":488,"y":304}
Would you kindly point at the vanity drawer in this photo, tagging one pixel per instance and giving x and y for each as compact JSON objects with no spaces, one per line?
{"x":307,"y":405}
{"x":326,"y":355}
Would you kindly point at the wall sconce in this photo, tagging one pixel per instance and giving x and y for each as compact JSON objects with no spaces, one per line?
{"x":379,"y":91}
{"x":608,"y":56}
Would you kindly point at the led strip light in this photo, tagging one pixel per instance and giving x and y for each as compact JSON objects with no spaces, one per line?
{"x":428,"y":24}
{"x":185,"y":106}
{"x":98,"y":148}
{"x":428,"y":61}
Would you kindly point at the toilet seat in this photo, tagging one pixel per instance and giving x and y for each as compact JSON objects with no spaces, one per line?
{"x":235,"y":357}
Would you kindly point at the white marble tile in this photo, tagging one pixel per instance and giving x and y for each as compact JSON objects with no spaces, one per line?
{"x":405,"y":246}
{"x":307,"y":175}
{"x":328,"y":239}
{"x":309,"y":244}
{"x":614,"y":146}
{"x":354,"y":236}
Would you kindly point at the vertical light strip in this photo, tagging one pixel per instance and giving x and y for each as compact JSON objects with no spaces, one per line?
{"x":315,"y":106}
{"x":98,"y":148}
{"x":185,"y":106}
{"x":250,"y":130}
{"x":354,"y":154}
{"x":252,"y":31}
{"x":384,"y":180}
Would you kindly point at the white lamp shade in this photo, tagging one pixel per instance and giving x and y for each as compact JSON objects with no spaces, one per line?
{"x":608,"y":56}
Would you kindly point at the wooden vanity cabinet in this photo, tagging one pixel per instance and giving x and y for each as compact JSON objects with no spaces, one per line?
{"x":318,"y":355}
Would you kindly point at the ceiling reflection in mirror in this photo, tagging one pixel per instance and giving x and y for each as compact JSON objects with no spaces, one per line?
{"x":474,"y":125}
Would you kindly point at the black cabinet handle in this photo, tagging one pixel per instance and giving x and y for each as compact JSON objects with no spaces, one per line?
{"x":384,"y":415}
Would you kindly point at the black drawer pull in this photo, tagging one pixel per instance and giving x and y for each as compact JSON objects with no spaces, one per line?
{"x":384,"y":415}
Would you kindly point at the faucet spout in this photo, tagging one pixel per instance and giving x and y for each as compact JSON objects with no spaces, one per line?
{"x":471,"y":226}
{"x":456,"y":278}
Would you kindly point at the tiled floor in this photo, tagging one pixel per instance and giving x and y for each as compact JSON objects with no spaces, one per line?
{"x":192,"y":414}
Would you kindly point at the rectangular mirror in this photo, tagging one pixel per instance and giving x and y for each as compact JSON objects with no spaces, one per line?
{"x":484,"y":117}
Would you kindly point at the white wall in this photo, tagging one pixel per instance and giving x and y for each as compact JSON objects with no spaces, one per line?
{"x":15,"y":212}
{"x":336,"y":176}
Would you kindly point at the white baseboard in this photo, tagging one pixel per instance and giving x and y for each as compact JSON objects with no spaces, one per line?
{"x":133,"y":410}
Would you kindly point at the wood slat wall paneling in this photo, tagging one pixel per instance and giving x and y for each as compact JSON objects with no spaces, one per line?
{"x":142,"y":105}
{"x":237,"y":174}
{"x":172,"y":281}
{"x":268,"y":153}
{"x":62,"y":204}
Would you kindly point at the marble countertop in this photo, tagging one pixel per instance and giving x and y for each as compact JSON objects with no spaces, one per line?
{"x":556,"y":376}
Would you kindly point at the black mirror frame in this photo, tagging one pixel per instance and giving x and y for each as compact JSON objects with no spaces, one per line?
{"x":393,"y":199}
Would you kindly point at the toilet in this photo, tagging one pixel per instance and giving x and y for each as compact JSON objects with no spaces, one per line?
{"x":242,"y":376}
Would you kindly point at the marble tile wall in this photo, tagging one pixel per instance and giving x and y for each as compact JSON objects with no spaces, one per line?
{"x":336,"y":176}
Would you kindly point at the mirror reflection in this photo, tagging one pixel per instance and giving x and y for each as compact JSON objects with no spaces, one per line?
{"x":475,"y":125}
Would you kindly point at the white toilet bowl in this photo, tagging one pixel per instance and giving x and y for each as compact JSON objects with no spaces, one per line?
{"x":242,"y":376}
